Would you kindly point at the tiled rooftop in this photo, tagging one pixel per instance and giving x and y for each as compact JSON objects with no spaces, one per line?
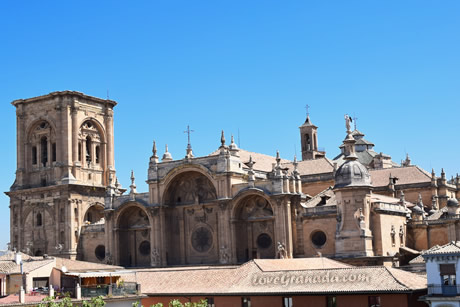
{"x":405,"y":175}
{"x":306,"y":276}
{"x":449,"y":248}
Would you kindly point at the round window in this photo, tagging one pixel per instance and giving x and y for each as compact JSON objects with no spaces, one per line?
{"x":202,"y":239}
{"x":264,"y":241}
{"x":318,"y":238}
{"x":100,"y":252}
{"x":144,"y":248}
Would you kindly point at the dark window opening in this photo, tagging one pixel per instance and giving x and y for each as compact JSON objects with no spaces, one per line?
{"x":88,"y":149}
{"x":98,"y":149}
{"x":307,"y":142}
{"x":331,"y":301}
{"x":264,"y":241}
{"x":100,"y":252}
{"x":79,"y":151}
{"x":61,"y":237}
{"x":53,"y":152}
{"x":39,"y":219}
{"x":43,"y":182}
{"x":44,"y":150}
{"x":246,"y":302}
{"x":318,"y":238}
{"x":61,"y":217}
{"x":38,"y":253}
{"x":34,"y":155}
{"x":144,"y":248}
{"x":210,"y":301}
{"x":374,"y":301}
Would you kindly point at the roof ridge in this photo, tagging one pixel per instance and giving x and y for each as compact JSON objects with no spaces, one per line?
{"x":397,"y":280}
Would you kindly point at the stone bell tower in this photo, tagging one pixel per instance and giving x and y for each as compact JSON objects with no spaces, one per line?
{"x":309,"y":141}
{"x":353,"y":190}
{"x":65,"y":160}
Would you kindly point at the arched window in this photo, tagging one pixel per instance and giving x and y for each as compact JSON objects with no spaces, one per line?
{"x":98,"y":149}
{"x":53,"y":154}
{"x":39,"y":219}
{"x":44,"y":150}
{"x":34,"y":155}
{"x":88,"y":149}
{"x":307,"y":142}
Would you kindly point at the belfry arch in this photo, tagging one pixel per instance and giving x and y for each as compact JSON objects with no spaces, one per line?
{"x":134,"y":237}
{"x":254,"y":231}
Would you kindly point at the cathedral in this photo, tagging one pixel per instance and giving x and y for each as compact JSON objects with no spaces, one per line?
{"x":228,"y":207}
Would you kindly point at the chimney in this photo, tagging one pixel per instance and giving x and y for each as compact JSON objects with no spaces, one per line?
{"x":17,"y":258}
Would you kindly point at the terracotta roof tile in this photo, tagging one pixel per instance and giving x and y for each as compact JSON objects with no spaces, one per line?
{"x":449,"y":248}
{"x":263,"y":162}
{"x":279,"y":276}
{"x":298,"y":264}
{"x":10,"y":267}
{"x":312,"y":167}
{"x":83,"y":266}
{"x":405,"y":175}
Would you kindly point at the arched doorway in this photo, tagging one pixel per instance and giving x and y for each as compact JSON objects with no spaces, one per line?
{"x":254,"y":229}
{"x":94,"y":214}
{"x":190,"y":223}
{"x":134,"y":237}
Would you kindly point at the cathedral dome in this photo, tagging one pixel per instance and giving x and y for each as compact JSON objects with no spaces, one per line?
{"x":352,"y":174}
{"x":452,"y":202}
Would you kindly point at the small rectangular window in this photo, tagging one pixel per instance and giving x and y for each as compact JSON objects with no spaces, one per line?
{"x":210,"y":301}
{"x":287,"y":301}
{"x":374,"y":301}
{"x":34,"y":155}
{"x":331,"y":301}
{"x":246,"y":302}
{"x":54,"y":152}
{"x":97,"y":153}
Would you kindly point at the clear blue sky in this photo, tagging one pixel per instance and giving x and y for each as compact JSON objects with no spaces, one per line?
{"x":250,"y":66}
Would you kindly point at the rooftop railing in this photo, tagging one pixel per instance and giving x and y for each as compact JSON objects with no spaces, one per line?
{"x":443,"y":290}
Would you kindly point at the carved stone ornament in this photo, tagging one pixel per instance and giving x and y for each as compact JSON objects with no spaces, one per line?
{"x":224,"y":258}
{"x":156,"y":258}
{"x":202,"y":239}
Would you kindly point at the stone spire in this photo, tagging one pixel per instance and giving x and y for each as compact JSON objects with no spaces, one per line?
{"x":166,"y":156}
{"x":132,"y":187}
{"x":154,"y":158}
{"x":233,"y":146}
{"x":222,"y":139}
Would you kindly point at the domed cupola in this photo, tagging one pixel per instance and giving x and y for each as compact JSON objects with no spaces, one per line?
{"x":351,"y":173}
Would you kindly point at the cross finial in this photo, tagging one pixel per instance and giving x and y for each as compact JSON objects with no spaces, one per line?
{"x":188,"y":131}
{"x":189,"y":146}
{"x":354,"y":120}
{"x":307,"y":107}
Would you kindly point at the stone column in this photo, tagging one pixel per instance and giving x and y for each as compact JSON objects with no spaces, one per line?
{"x":109,"y":138}
{"x":74,"y":156}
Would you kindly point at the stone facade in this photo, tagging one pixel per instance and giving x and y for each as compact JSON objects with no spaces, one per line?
{"x":224,"y":208}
